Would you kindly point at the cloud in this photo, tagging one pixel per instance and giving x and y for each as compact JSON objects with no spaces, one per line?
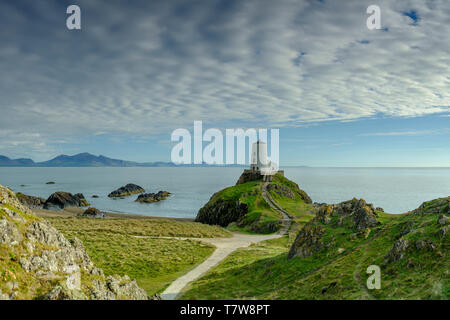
{"x":406,"y":133}
{"x":153,"y":66}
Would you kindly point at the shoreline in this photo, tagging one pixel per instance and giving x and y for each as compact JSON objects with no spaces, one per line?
{"x":74,"y":211}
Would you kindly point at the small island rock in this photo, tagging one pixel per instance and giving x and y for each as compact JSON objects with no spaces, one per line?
{"x":62,"y":200}
{"x":127,"y":190}
{"x":153,"y":197}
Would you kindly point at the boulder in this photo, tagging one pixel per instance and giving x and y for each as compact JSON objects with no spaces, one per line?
{"x":50,"y":182}
{"x":61,"y":200}
{"x":442,"y":220}
{"x":127,"y":190}
{"x":152,"y":197}
{"x":398,"y":251}
{"x":30,"y":201}
{"x":93,"y":213}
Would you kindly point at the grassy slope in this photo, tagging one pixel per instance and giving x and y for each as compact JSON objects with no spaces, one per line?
{"x":263,"y":271}
{"x":113,"y":246}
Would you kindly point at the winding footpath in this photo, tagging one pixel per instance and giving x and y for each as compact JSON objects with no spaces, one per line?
{"x":224,"y":247}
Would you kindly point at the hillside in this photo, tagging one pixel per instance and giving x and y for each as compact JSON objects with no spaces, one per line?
{"x":243,"y":208}
{"x":38,"y":262}
{"x":329,"y":257}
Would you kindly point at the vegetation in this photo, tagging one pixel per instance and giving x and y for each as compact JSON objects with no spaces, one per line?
{"x":338,"y":271}
{"x":132,"y":246}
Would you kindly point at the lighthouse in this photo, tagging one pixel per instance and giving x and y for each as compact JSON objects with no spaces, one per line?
{"x":259,"y":156}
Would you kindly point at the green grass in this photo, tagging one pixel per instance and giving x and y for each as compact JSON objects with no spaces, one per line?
{"x":154,"y":262}
{"x":139,"y":227}
{"x":263,"y":271}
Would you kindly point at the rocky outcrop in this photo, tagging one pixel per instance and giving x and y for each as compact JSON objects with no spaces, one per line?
{"x":41,"y":263}
{"x":31,"y":201}
{"x":281,"y":190}
{"x":93,"y":213}
{"x":61,"y":200}
{"x":441,"y":205}
{"x":249,"y":175}
{"x":221,"y":212}
{"x":127,"y":190}
{"x":308,"y":241}
{"x":356,"y":214}
{"x":50,"y":182}
{"x":152,"y":197}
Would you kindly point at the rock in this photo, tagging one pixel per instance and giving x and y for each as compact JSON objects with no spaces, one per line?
{"x":441,"y":205}
{"x":443,"y":220}
{"x":93,"y":213}
{"x":425,"y":244}
{"x":53,"y":264}
{"x":443,"y":231}
{"x":354,"y":213}
{"x":95,"y":196}
{"x":153,"y":197}
{"x":30,"y":201}
{"x":398,"y":250}
{"x":307,"y":242}
{"x":127,"y":190}
{"x":221,"y":212}
{"x":9,"y":233}
{"x":379,"y":209}
{"x":249,"y":175}
{"x":50,"y":182}
{"x":61,"y":200}
{"x":281,"y":190}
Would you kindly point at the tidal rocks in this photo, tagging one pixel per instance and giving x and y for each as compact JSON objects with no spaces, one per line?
{"x":30,"y":201}
{"x":50,"y":182}
{"x":153,"y":197}
{"x":127,"y":190}
{"x":44,"y":264}
{"x":95,"y":196}
{"x":221,"y":212}
{"x":61,"y":200}
{"x":93,"y":213}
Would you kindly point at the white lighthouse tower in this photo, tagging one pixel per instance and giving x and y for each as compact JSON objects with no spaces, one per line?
{"x":259,"y":159}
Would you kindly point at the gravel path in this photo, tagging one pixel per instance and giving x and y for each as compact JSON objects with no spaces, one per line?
{"x":225,"y":246}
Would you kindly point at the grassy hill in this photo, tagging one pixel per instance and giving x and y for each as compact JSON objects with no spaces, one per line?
{"x":329,"y":257}
{"x":242,"y":207}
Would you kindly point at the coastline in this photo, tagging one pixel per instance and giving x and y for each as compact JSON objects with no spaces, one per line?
{"x":74,"y":211}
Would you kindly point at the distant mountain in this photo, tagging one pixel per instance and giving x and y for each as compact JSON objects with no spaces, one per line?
{"x":7,"y":162}
{"x":88,"y":160}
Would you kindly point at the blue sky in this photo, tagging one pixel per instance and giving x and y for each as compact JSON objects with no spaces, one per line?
{"x":341,"y":95}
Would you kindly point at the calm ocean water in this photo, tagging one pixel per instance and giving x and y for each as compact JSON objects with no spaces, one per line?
{"x":397,"y":190}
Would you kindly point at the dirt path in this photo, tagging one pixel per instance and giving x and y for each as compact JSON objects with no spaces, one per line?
{"x":225,"y":246}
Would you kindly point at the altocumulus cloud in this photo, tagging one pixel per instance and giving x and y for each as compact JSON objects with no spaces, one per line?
{"x":146,"y":67}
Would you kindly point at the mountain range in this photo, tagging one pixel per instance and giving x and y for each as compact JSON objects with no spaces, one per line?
{"x":88,"y":160}
{"x":79,"y":160}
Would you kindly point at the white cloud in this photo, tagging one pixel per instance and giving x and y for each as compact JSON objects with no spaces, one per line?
{"x":156,"y":66}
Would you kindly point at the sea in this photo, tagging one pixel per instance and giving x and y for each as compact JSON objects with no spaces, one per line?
{"x":396,"y":190}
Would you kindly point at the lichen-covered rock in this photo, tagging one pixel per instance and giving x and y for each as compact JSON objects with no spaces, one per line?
{"x":398,"y":251}
{"x":307,"y":242}
{"x":441,"y":205}
{"x":61,"y":200}
{"x":442,"y":220}
{"x":46,"y":256}
{"x":152,"y":197}
{"x":127,"y":190}
{"x":31,"y":201}
{"x":357,"y":214}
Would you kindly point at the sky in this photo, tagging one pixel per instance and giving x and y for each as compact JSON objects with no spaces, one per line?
{"x":340,"y":94}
